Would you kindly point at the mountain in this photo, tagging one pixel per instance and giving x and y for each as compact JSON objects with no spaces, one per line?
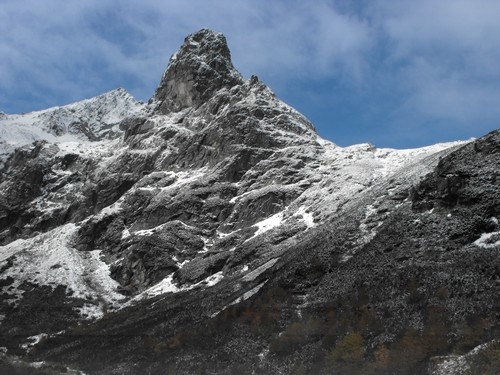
{"x":213,"y":231}
{"x":89,"y":120}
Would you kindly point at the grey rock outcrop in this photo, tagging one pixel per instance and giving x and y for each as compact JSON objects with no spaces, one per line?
{"x":201,"y":67}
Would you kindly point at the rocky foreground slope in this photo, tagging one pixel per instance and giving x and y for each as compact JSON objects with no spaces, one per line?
{"x":213,"y":231}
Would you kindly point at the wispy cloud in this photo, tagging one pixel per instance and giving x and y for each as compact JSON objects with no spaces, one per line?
{"x":444,"y":56}
{"x":62,"y":45}
{"x":406,"y":63}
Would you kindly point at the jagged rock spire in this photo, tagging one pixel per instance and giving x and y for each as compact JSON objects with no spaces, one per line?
{"x":201,"y":67}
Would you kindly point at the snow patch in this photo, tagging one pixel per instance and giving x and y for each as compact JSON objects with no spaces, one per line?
{"x":145,"y":232}
{"x":206,"y":245}
{"x":262,"y":355}
{"x":307,"y":217}
{"x":453,"y":366}
{"x":224,"y":235}
{"x":125,"y":234}
{"x":459,"y":364}
{"x":180,"y":264}
{"x":49,"y":259}
{"x":167,"y":285}
{"x":488,"y":240}
{"x":238,"y":197}
{"x":33,"y":340}
{"x":368,"y":234}
{"x":267,"y":224}
{"x":214,"y":279}
{"x":111,"y":209}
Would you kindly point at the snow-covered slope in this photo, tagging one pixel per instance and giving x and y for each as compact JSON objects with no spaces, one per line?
{"x":215,"y":195}
{"x":245,"y":166}
{"x":87,"y":120}
{"x":338,"y":175}
{"x":49,"y":260}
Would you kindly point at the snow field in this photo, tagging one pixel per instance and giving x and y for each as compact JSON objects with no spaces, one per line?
{"x":49,"y":259}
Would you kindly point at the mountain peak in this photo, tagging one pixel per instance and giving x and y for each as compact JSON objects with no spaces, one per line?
{"x":201,"y":67}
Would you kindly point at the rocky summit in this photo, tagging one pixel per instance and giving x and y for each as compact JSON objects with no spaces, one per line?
{"x":213,"y":231}
{"x":200,"y":68}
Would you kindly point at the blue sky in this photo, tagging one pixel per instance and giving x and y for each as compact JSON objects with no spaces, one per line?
{"x":395,"y":73}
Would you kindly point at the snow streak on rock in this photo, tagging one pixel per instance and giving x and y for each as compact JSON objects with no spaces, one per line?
{"x":49,"y":259}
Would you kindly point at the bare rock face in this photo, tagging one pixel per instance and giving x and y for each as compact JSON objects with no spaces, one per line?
{"x":200,"y":68}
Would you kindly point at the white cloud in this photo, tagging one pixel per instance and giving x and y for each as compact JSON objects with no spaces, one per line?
{"x":303,"y":41}
{"x":456,"y":24}
{"x":444,"y":55}
{"x":438,"y":60}
{"x":59,"y":46}
{"x":442,"y":93}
